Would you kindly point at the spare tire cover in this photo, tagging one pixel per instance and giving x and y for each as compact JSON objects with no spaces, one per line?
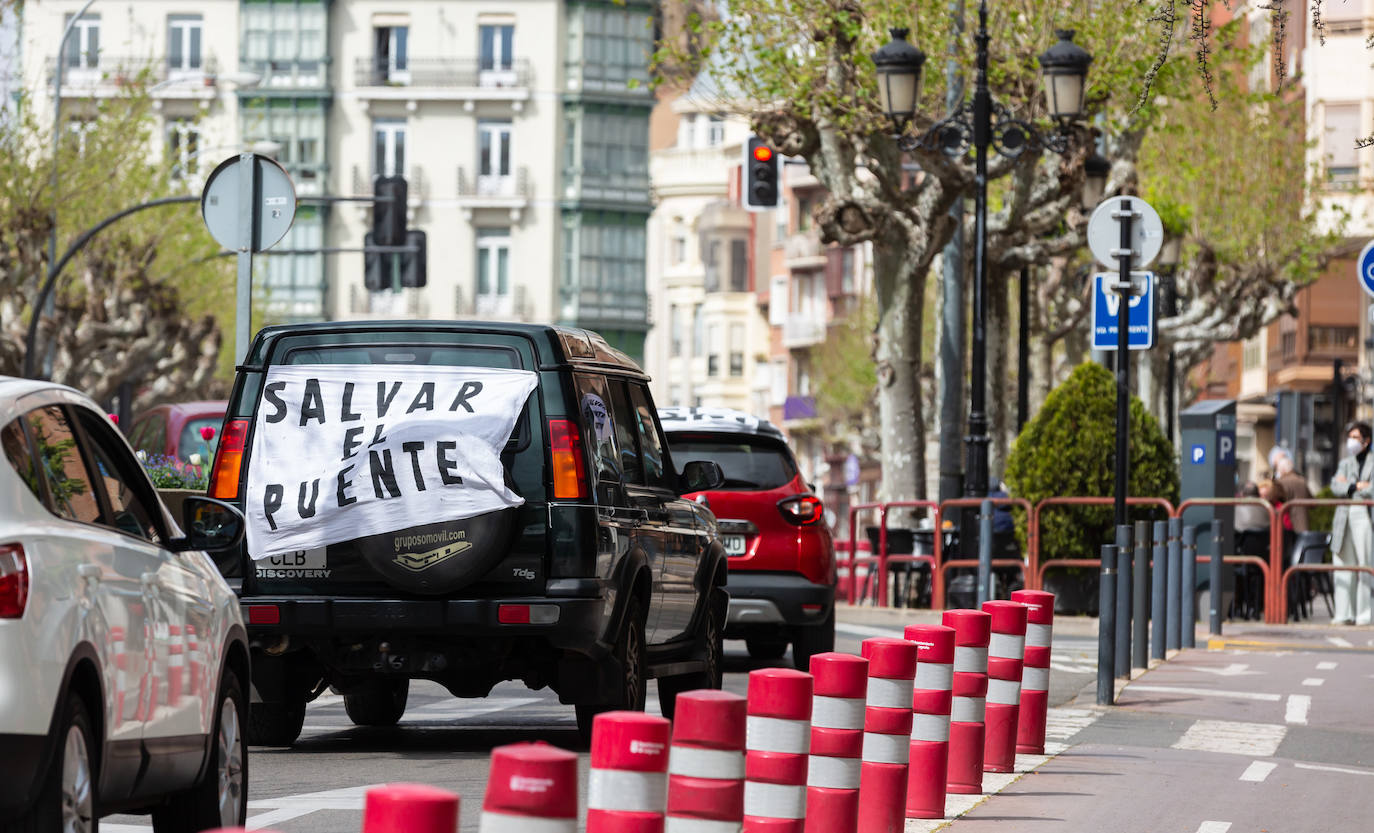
{"x":440,"y":557}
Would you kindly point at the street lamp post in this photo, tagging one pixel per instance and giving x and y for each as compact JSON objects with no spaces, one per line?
{"x":1168,"y":262}
{"x":1065,"y":69}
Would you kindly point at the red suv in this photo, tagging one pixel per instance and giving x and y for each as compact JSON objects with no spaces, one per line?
{"x":781,"y":556}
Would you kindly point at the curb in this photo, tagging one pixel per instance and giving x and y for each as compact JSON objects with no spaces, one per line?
{"x":1225,"y":644}
{"x":898,"y":617}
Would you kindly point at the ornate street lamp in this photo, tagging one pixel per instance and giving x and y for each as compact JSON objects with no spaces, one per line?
{"x":1096,"y":169}
{"x":1065,"y":66}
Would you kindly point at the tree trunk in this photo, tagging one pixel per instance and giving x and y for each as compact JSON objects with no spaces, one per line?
{"x":900,"y":286}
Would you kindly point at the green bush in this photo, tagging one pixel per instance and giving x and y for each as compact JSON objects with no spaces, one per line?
{"x":1319,"y":517}
{"x":1068,"y":449}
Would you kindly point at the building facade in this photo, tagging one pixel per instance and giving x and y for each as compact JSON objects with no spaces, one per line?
{"x":520,"y":127}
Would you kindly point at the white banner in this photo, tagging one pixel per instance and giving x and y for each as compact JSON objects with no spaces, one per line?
{"x":344,"y":451}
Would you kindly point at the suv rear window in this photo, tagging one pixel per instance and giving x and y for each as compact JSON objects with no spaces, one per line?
{"x":426,"y":354}
{"x":749,"y":463}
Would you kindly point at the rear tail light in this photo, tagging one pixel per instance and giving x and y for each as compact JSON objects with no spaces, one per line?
{"x":224,"y":477}
{"x":569,"y":475}
{"x":14,"y":581}
{"x":527,"y":614}
{"x":801,"y":509}
{"x":264,"y":615}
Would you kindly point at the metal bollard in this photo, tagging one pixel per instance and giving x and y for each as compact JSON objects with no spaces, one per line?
{"x":985,"y":576}
{"x":1175,"y":601}
{"x":1188,"y":610}
{"x":887,"y":734}
{"x":1106,"y":627}
{"x":1140,"y":597}
{"x":1159,"y":578}
{"x":1215,"y":586}
{"x":1035,"y":673}
{"x":837,"y":741}
{"x":931,"y":700}
{"x":1123,"y":600}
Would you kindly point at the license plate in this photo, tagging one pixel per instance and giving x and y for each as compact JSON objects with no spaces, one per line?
{"x":734,"y":544}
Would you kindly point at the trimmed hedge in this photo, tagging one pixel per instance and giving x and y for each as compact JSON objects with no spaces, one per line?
{"x":1068,"y":449}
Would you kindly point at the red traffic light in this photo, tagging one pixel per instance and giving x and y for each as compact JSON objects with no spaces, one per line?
{"x":763,"y":153}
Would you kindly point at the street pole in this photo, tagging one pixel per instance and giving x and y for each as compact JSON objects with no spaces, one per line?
{"x":1124,"y":216}
{"x":952,"y":317}
{"x":976,"y":481}
{"x":1170,"y":299}
{"x":1023,"y":355}
{"x":249,"y":188}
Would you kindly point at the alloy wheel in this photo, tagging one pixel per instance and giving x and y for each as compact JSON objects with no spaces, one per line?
{"x":230,"y":763}
{"x":78,"y":814}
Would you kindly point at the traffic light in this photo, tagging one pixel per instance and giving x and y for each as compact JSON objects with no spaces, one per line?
{"x":413,"y":263}
{"x":378,"y":268}
{"x":761,"y":180}
{"x":389,"y":210}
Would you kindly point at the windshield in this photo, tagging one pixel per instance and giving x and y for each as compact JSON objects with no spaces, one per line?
{"x":749,"y":463}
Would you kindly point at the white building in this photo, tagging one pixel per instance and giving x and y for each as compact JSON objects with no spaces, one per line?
{"x":521,"y":128}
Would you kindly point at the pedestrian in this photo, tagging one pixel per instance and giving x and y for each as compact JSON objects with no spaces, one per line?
{"x":1292,"y":486}
{"x":1352,"y":532}
{"x":1251,"y":517}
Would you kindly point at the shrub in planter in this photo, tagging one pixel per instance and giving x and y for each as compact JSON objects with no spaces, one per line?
{"x":1069,"y":448}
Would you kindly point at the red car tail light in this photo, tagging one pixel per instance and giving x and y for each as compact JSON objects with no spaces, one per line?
{"x":14,"y":581}
{"x":224,"y":476}
{"x":801,"y":509}
{"x":264,"y":615}
{"x":569,"y":475}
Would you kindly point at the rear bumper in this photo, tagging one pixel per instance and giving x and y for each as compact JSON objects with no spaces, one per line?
{"x":579,"y":626}
{"x":21,"y":771}
{"x":775,"y":600}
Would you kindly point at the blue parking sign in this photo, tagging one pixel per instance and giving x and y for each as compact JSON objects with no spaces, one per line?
{"x":1105,"y":315}
{"x":1364,"y":268}
{"x":1199,"y":455}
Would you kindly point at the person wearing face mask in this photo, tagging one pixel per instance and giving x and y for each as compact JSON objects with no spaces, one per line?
{"x":1352,"y":533}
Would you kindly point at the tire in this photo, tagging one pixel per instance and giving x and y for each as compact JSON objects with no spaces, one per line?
{"x":629,"y":651}
{"x":379,"y":702}
{"x":714,"y":674}
{"x":221,"y":797}
{"x":68,"y":801}
{"x":275,"y":724}
{"x":811,"y":640}
{"x":766,"y":648}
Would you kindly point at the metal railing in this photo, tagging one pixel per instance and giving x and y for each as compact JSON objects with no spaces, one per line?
{"x":1035,"y":569}
{"x":441,"y":72}
{"x":1284,"y":574}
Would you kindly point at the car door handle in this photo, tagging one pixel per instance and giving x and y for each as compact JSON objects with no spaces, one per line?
{"x":91,"y":572}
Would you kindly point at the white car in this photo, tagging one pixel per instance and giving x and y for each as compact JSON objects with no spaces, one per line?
{"x":123,"y":656}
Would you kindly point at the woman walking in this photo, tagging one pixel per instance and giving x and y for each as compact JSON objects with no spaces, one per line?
{"x":1352,"y":533}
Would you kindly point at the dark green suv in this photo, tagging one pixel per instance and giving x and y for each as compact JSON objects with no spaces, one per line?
{"x":602,"y":578}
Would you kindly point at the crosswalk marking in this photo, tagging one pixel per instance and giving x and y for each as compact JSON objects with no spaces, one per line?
{"x":1063,"y":723}
{"x":1258,"y":771}
{"x":1214,"y":827}
{"x":1205,"y":692}
{"x":1258,"y":740}
{"x":1296,"y":712}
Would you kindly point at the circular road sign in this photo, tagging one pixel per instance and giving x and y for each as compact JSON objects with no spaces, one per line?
{"x":1104,"y":232}
{"x":225,"y":201}
{"x":1364,"y":268}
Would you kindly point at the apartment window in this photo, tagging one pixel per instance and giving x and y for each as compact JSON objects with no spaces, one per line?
{"x":183,"y":45}
{"x":291,"y":287}
{"x":736,"y":350}
{"x":80,"y":131}
{"x":614,"y":48}
{"x":183,"y":142}
{"x":698,"y":331}
{"x":675,"y":395}
{"x":389,"y":147}
{"x":713,"y":343}
{"x":1251,"y":353}
{"x":777,"y":382}
{"x":686,"y":131}
{"x":675,"y":330}
{"x":391,"y":55}
{"x":847,"y":277}
{"x":801,"y":375}
{"x":1288,"y":344}
{"x":493,"y":271}
{"x":614,"y":147}
{"x":711,"y":260}
{"x":1327,"y":339}
{"x":496,"y":55}
{"x":713,"y":364}
{"x":296,"y":126}
{"x":1341,"y":18}
{"x":715,"y":130}
{"x":739,"y":266}
{"x":804,"y":208}
{"x":83,"y":44}
{"x":285,"y":40}
{"x":493,"y":157}
{"x":679,"y":249}
{"x":1340,"y":131}
{"x":803,"y":295}
{"x":612,"y":255}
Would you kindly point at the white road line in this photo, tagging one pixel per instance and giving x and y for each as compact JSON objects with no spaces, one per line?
{"x":1339,"y":642}
{"x":1214,"y":827}
{"x":1296,"y":712}
{"x":1335,"y":769}
{"x":1257,"y":740}
{"x":1258,"y":771}
{"x":1206,"y":692}
{"x":1326,"y":666}
{"x":1313,"y":681}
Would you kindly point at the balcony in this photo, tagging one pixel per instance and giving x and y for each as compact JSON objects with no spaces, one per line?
{"x":803,"y":251}
{"x":503,"y":192}
{"x":591,"y":308}
{"x":110,"y":75}
{"x":513,"y":306}
{"x":408,"y":303}
{"x":798,"y":408}
{"x":612,"y":188}
{"x":417,"y":187}
{"x":468,"y":80}
{"x":802,"y":331}
{"x":286,"y":76}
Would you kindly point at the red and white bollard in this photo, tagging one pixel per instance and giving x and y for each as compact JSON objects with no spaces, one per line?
{"x":1006,"y":648}
{"x":1035,"y":674}
{"x":706,"y":763}
{"x":777,"y":740}
{"x":628,"y":787}
{"x":531,"y":788}
{"x":120,"y":661}
{"x":410,"y":808}
{"x":887,"y":734}
{"x":176,"y":664}
{"x":970,"y":689}
{"x":837,"y":741}
{"x":930,"y":706}
{"x":195,"y":663}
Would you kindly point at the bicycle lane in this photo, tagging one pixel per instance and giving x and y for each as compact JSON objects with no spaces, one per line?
{"x":1213,"y":741}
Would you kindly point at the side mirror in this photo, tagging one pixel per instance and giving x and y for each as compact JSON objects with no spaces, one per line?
{"x":702,"y":476}
{"x":210,"y":525}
